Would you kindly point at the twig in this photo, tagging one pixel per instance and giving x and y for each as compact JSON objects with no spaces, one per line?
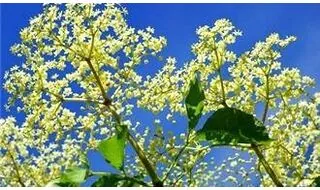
{"x":107,"y":101}
{"x":174,"y":163}
{"x":16,"y":168}
{"x":266,"y":165}
{"x":255,"y":147}
{"x":177,"y":180}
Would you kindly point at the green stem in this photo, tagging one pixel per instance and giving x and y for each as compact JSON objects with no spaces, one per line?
{"x":107,"y":101}
{"x":266,"y":107}
{"x":15,"y":166}
{"x":177,"y":180}
{"x":219,"y":64}
{"x":174,"y":163}
{"x":255,"y":147}
{"x":224,"y":102}
{"x":76,"y":99}
{"x":266,"y":165}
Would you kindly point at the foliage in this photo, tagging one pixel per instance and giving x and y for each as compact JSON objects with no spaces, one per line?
{"x":228,"y":125}
{"x":110,"y":180}
{"x":194,"y":103}
{"x":87,"y":55}
{"x":73,"y":177}
{"x":113,"y":149}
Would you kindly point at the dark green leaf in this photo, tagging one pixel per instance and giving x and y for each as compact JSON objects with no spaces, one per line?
{"x":108,"y":180}
{"x":113,"y":149}
{"x":67,"y":184}
{"x":130,"y":183}
{"x":316,"y":182}
{"x":230,"y":125}
{"x":194,"y":102}
{"x":112,"y":180}
{"x":73,"y":177}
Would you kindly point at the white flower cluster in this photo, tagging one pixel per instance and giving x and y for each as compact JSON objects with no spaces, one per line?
{"x":65,"y":47}
{"x":80,"y":53}
{"x":213,"y":41}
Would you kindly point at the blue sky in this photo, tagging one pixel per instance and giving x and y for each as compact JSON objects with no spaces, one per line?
{"x":178,"y":23}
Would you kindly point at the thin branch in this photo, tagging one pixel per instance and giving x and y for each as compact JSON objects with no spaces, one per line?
{"x":266,"y":165}
{"x":220,"y":78}
{"x":16,"y":167}
{"x":147,"y":164}
{"x":224,"y":102}
{"x":58,"y":96}
{"x":255,"y":147}
{"x":78,"y":99}
{"x":92,"y":42}
{"x":177,"y":180}
{"x":72,"y":99}
{"x":266,"y":107}
{"x":260,"y":172}
{"x":290,"y":153}
{"x":107,"y":101}
{"x":175,"y":160}
{"x":174,"y":163}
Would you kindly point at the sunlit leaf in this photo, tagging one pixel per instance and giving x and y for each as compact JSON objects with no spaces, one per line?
{"x":113,"y":149}
{"x":72,"y":177}
{"x":194,"y":102}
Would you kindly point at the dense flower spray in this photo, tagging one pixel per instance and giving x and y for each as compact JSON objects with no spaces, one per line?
{"x":87,"y":55}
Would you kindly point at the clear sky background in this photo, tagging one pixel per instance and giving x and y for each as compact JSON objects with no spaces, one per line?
{"x":178,"y":23}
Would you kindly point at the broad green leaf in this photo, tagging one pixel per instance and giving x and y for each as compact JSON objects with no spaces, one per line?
{"x":73,"y":177}
{"x":113,"y":149}
{"x":108,"y":180}
{"x":230,"y":125}
{"x":194,"y":102}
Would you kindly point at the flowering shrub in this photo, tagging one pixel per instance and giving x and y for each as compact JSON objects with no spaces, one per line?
{"x":87,"y":54}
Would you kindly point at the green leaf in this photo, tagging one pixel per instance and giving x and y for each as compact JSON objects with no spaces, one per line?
{"x":54,"y":183}
{"x":130,"y":183}
{"x":73,"y":177}
{"x":108,"y":180}
{"x":112,"y":180}
{"x":113,"y":149}
{"x":194,"y":102}
{"x":59,"y":184}
{"x":230,"y":125}
{"x":316,"y":182}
